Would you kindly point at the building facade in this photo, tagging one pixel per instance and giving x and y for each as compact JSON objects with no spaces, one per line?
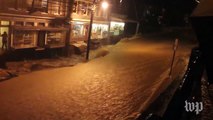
{"x":42,"y":24}
{"x":105,"y":23}
{"x":37,"y":24}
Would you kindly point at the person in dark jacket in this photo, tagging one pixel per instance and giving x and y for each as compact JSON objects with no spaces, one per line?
{"x":4,"y":40}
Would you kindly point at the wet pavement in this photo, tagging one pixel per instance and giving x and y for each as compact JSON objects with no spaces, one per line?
{"x":115,"y":87}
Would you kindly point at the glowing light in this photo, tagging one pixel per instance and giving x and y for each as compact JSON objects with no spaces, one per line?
{"x":122,"y":24}
{"x":104,"y":5}
{"x":198,"y":1}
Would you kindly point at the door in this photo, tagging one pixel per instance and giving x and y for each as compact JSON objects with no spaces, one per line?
{"x":2,"y":30}
{"x":41,"y":39}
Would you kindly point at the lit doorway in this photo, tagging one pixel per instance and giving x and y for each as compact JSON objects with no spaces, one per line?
{"x":2,"y":30}
{"x":4,"y":27}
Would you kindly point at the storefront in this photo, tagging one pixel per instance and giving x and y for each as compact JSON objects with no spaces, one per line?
{"x":24,"y":39}
{"x":79,"y":31}
{"x":99,"y":31}
{"x":116,"y":28}
{"x":55,"y":38}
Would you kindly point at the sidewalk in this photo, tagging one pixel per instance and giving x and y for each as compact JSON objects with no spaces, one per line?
{"x":1,"y":52}
{"x":4,"y":75}
{"x":15,"y":68}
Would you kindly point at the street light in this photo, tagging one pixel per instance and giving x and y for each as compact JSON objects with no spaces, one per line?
{"x":104,"y":5}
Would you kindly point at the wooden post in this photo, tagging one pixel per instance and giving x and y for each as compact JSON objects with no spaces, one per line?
{"x":173,"y":57}
{"x":69,"y":5}
{"x":137,"y":28}
{"x":90,"y":30}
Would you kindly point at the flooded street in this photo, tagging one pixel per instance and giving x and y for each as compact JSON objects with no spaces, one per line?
{"x":115,"y":87}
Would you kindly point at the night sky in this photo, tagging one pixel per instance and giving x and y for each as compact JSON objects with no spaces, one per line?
{"x":174,"y":10}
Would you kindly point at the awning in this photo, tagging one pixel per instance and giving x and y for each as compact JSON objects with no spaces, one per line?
{"x":123,"y":20}
{"x":86,"y":21}
{"x":28,"y":28}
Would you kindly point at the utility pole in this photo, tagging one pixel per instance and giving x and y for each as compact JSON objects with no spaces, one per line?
{"x":69,"y":5}
{"x":136,"y":14}
{"x":90,"y":30}
{"x":104,"y":5}
{"x":109,"y":25}
{"x":173,"y":57}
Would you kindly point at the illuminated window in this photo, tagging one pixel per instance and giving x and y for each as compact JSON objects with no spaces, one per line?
{"x":5,"y":22}
{"x":79,"y":30}
{"x":117,"y":28}
{"x":56,"y":38}
{"x":24,"y":39}
{"x":99,"y":31}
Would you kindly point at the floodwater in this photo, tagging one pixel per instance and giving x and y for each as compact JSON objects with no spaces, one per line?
{"x":115,"y":87}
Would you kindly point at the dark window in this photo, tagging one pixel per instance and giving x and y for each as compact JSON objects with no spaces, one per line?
{"x":41,"y":24}
{"x":75,"y":7}
{"x":19,"y":23}
{"x":29,"y":24}
{"x":40,"y":5}
{"x":57,"y":7}
{"x":84,"y":8}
